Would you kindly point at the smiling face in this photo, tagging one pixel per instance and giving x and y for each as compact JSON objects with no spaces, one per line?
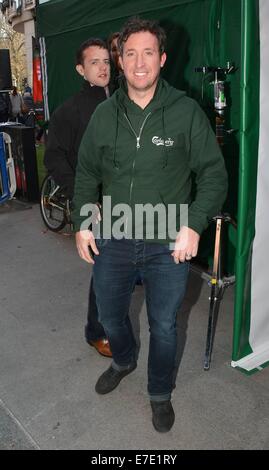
{"x":141,"y":62}
{"x":96,"y":67}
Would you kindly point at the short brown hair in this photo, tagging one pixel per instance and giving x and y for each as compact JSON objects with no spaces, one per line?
{"x":89,"y":43}
{"x":136,"y":25}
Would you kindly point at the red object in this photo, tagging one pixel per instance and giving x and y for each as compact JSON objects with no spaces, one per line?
{"x":18,"y":177}
{"x":37,"y":78}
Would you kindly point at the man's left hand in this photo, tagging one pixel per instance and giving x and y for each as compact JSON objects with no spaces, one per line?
{"x":186,"y":245}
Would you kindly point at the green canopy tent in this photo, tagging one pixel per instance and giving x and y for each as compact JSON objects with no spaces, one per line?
{"x":199,"y":32}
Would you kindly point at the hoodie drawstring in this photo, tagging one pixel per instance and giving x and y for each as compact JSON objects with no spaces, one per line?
{"x":165,"y":154}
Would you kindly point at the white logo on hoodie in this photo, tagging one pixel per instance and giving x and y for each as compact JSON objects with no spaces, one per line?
{"x":159,"y":141}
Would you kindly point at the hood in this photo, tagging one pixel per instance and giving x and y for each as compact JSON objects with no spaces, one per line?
{"x":164,"y":96}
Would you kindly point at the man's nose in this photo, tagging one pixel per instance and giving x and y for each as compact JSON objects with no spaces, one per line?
{"x":103,"y":66}
{"x":140,"y":60}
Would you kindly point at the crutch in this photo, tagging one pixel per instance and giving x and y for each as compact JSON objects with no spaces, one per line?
{"x":218,"y":284}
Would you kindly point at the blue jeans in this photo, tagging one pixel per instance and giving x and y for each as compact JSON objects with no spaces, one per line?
{"x":115,"y":272}
{"x":93,"y":329}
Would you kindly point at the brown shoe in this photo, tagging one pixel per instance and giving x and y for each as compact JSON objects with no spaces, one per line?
{"x":102,"y":346}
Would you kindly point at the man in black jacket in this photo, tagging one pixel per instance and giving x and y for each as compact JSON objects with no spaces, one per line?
{"x":67,"y":126}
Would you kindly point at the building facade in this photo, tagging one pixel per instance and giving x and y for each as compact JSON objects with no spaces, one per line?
{"x":20,"y":14}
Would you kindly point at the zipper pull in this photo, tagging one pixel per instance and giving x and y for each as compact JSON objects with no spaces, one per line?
{"x":137,"y":143}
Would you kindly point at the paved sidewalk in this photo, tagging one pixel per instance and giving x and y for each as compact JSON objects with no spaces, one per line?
{"x":48,"y":372}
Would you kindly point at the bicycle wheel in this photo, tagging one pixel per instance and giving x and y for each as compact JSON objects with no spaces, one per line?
{"x":53,"y":205}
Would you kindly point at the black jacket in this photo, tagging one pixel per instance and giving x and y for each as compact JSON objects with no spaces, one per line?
{"x":5,"y":107}
{"x":67,"y":126}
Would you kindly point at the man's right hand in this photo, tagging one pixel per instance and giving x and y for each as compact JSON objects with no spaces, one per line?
{"x":84,"y":240}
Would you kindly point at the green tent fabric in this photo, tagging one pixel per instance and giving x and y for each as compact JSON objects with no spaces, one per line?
{"x":251,"y":331}
{"x":248,"y":168}
{"x":77,"y":14}
{"x":200,"y":32}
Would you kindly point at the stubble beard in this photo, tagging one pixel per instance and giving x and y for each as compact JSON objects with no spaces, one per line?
{"x":137,"y":89}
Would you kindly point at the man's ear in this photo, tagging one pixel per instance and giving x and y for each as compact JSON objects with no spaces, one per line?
{"x":80,"y":69}
{"x":163,"y":59}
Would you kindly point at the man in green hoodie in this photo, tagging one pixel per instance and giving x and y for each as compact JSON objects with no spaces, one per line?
{"x":141,"y":147}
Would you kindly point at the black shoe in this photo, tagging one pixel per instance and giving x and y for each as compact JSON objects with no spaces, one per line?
{"x":163,"y":416}
{"x":111,"y":378}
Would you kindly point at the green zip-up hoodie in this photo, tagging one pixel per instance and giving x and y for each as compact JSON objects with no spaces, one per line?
{"x":140,"y":156}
